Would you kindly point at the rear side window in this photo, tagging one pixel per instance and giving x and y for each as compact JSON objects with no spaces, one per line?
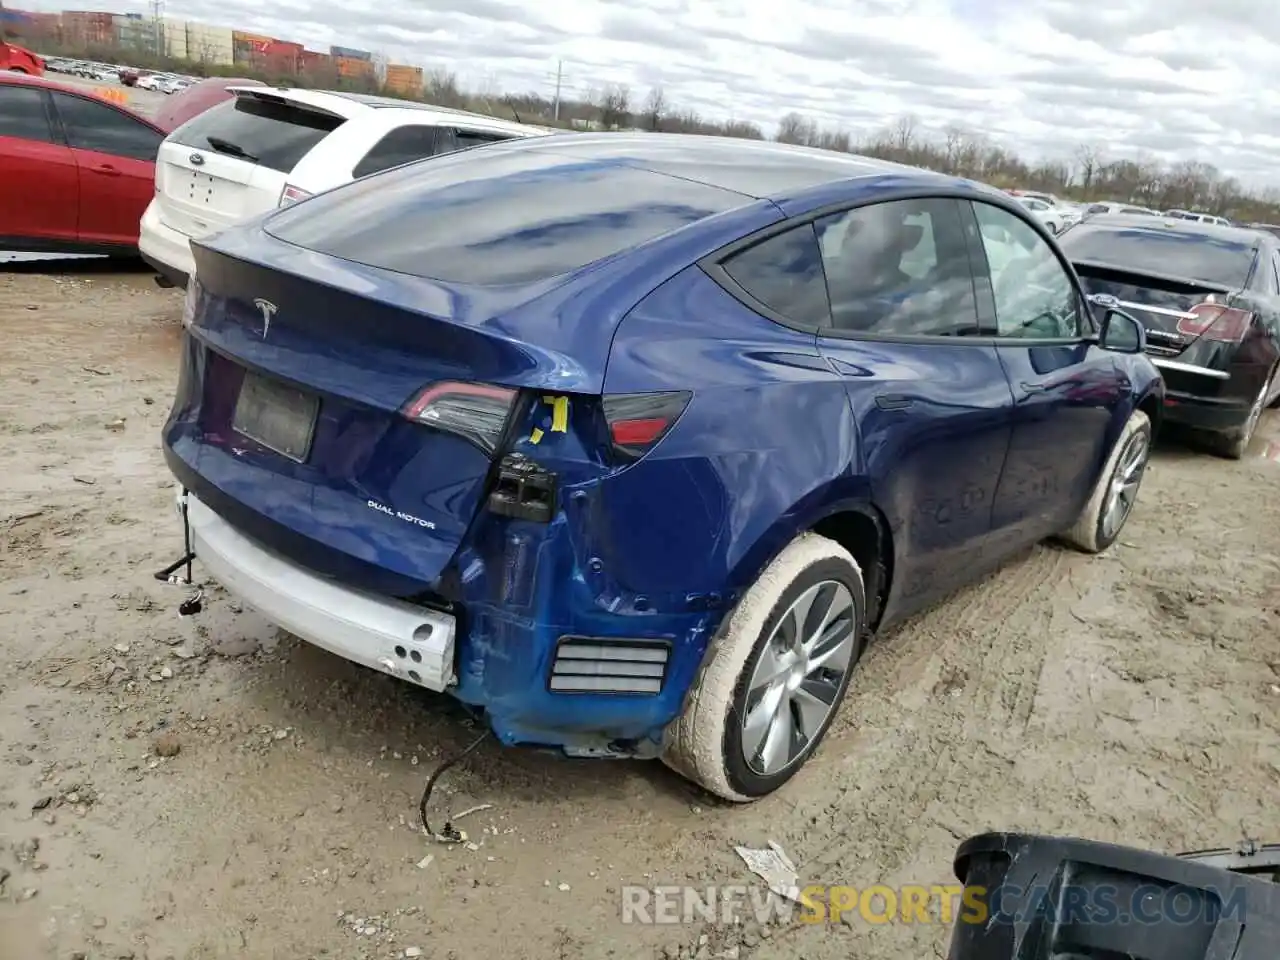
{"x":900,"y":268}
{"x":785,"y":274}
{"x":497,"y":217}
{"x":104,"y":129}
{"x":474,"y":138}
{"x":1165,"y":252}
{"x":271,"y":134}
{"x":22,"y":114}
{"x":402,"y":145}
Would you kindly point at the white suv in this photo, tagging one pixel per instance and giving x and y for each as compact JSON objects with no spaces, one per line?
{"x":269,"y":147}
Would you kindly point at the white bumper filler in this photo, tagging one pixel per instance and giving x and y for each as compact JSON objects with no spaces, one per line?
{"x":406,"y":641}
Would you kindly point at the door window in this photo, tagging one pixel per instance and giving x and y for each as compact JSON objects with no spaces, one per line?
{"x":1034,"y":295}
{"x":402,"y":145}
{"x":784,"y":273}
{"x":96,"y":126}
{"x":22,"y":114}
{"x":899,"y":269}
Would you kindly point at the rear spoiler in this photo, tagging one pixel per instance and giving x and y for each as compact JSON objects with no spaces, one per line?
{"x":273,"y":95}
{"x":1205,"y":285}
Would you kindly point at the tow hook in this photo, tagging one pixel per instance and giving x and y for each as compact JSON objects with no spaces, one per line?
{"x":524,"y":490}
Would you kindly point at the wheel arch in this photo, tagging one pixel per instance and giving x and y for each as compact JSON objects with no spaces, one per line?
{"x":852,"y":521}
{"x":1152,"y":404}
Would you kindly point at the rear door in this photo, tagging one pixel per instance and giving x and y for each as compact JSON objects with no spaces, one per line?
{"x":933,"y":404}
{"x":115,"y":156}
{"x":232,"y":161}
{"x":1068,"y":392}
{"x":39,"y":183}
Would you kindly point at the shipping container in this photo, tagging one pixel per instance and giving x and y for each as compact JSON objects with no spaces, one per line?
{"x":407,"y":86}
{"x":89,"y":16}
{"x":350,"y":53}
{"x":174,"y":37}
{"x":281,"y":56}
{"x":88,"y":28}
{"x":210,"y":44}
{"x":142,"y":36}
{"x":351,"y":67}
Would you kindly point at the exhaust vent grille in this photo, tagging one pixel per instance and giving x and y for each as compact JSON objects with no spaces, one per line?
{"x":589,"y":665}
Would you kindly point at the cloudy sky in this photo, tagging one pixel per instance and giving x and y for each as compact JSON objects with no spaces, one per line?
{"x":1177,"y":79}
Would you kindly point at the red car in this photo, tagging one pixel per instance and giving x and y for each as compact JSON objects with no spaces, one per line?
{"x":20,"y":60}
{"x":76,"y":172}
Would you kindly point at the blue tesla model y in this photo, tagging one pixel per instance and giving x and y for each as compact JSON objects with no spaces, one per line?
{"x":632,"y":441}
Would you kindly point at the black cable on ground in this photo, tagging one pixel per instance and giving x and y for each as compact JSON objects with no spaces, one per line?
{"x":448,"y":834}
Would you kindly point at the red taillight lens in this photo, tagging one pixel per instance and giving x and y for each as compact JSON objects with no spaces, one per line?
{"x":1216,"y":321}
{"x":291,"y":195}
{"x":475,"y":411}
{"x":637,"y":421}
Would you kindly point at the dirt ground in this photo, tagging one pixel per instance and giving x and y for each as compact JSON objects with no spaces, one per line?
{"x":1133,"y":697}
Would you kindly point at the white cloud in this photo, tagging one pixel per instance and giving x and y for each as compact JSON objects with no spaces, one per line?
{"x":1176,"y":79}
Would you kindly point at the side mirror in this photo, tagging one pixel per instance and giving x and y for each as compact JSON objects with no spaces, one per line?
{"x":1122,"y":333}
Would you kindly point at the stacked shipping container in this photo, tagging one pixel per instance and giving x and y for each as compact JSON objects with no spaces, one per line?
{"x":350,"y":68}
{"x":210,"y":44}
{"x":404,"y":80}
{"x":88,"y":28}
{"x":174,"y":37}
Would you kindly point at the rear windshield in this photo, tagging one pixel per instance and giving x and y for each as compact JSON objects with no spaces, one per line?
{"x":273,"y":135}
{"x":1171,"y":253}
{"x":495,"y":215}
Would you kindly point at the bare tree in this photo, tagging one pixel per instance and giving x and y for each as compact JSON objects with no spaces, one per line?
{"x":796,"y":128}
{"x":440,"y":87}
{"x":1088,"y":161}
{"x":655,"y":108}
{"x":904,"y":134}
{"x":615,"y":106}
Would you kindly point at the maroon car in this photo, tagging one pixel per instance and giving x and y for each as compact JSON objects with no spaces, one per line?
{"x":198,"y":98}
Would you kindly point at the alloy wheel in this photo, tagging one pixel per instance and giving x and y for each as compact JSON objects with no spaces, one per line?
{"x":798,"y":677}
{"x":1255,"y":414}
{"x":1124,"y":483}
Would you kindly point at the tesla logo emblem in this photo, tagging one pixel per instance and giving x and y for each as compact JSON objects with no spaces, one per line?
{"x":197,"y":160}
{"x":268,"y":310}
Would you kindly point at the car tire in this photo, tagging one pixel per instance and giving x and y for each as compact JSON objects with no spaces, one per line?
{"x":757,"y":637}
{"x":1234,"y":445}
{"x":1097,"y":527}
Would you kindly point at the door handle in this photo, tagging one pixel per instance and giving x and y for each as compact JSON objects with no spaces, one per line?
{"x":1034,"y":387}
{"x":106,"y":170}
{"x":893,"y":401}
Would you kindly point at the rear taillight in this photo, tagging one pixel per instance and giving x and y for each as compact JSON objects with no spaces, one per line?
{"x":1216,"y":321}
{"x":475,"y":411}
{"x":291,"y":195}
{"x":637,"y":421}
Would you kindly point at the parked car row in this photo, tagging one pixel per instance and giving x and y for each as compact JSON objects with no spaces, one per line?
{"x":633,"y":441}
{"x":79,"y":174}
{"x":82,"y":68}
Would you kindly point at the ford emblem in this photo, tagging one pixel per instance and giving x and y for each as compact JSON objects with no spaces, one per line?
{"x":1103,"y":300}
{"x":197,"y":160}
